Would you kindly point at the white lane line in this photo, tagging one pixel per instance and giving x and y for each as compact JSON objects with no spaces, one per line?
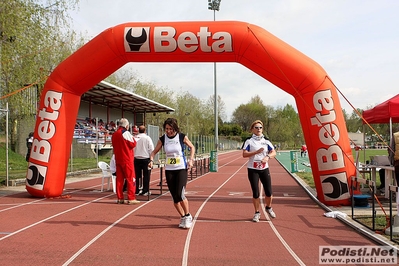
{"x":285,"y":244}
{"x":229,"y":221}
{"x":51,"y":217}
{"x":39,"y":200}
{"x":19,"y":205}
{"x":190,"y":231}
{"x":80,"y":251}
{"x":287,"y":247}
{"x":73,"y":257}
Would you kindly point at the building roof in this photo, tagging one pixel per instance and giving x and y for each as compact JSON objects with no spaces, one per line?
{"x":107,"y":94}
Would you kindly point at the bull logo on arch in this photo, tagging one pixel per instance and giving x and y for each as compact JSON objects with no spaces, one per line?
{"x":316,"y":96}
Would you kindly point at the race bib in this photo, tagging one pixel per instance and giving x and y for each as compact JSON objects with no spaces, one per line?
{"x":259,"y":165}
{"x":173,"y":160}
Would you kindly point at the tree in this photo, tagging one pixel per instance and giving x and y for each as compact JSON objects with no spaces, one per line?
{"x":245,"y":114}
{"x":194,"y":116}
{"x":34,"y":38}
{"x":285,"y":127}
{"x":354,"y":122}
{"x":221,"y":107}
{"x":190,"y":113}
{"x":229,"y":129}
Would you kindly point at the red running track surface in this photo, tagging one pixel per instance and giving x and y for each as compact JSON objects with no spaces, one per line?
{"x":86,"y":227}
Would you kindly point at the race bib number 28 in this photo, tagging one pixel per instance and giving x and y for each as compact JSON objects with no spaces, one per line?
{"x":259,"y":165}
{"x":173,"y":160}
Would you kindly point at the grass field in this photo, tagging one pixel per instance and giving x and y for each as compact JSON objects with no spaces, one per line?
{"x":304,"y":170}
{"x":18,"y":166}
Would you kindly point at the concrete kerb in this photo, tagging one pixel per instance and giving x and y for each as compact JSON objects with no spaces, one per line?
{"x":346,"y":220}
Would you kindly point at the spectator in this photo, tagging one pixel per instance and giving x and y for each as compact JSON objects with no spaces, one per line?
{"x":29,"y":142}
{"x":142,"y":152}
{"x":124,"y":143}
{"x":304,"y":150}
{"x":381,"y":173}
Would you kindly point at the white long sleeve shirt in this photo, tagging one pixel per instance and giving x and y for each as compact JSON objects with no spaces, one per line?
{"x":144,"y":146}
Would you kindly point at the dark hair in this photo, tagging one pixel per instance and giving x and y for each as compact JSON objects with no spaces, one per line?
{"x":172,"y":122}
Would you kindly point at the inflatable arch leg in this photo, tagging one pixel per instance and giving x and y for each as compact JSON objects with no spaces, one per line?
{"x":316,"y":97}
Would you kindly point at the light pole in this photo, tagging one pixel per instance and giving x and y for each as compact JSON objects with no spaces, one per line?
{"x":188,"y":128}
{"x":215,"y":5}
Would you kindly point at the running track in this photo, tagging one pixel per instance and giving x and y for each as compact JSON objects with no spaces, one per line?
{"x":86,"y":227}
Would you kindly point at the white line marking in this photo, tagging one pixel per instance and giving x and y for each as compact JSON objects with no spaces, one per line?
{"x":39,"y":200}
{"x":190,"y":232}
{"x":74,"y":256}
{"x":287,"y":247}
{"x":51,"y":217}
{"x":288,"y":195}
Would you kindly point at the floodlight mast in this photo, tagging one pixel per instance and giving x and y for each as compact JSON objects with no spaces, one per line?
{"x":215,"y":5}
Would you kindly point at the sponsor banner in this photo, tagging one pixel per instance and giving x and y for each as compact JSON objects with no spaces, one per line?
{"x":317,"y":99}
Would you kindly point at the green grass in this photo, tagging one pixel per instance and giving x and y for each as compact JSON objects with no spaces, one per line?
{"x":307,"y":177}
{"x":379,"y":224}
{"x":363,"y":156}
{"x":18,"y":166}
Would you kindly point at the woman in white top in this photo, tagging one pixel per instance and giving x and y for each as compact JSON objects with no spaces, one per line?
{"x":176,"y":167}
{"x":259,"y":150}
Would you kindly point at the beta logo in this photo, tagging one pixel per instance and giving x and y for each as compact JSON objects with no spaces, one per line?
{"x":136,"y":39}
{"x":36,"y":176}
{"x":166,"y":40}
{"x":335,"y":187}
{"x":47,"y":117}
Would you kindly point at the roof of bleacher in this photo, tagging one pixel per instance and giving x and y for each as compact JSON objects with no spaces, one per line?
{"x":107,"y":94}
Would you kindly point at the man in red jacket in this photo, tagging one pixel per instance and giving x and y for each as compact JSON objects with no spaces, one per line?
{"x":123,"y":144}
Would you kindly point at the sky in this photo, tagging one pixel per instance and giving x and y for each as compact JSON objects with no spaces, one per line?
{"x":356,"y":42}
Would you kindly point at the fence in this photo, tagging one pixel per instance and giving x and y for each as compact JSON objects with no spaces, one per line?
{"x":88,"y":149}
{"x":301,"y":163}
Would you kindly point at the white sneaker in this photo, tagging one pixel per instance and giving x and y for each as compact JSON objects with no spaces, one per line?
{"x":256,"y":217}
{"x":182,"y":222}
{"x":271,"y":212}
{"x":188,"y":222}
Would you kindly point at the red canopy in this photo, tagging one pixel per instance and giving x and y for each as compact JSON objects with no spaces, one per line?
{"x":382,"y":113}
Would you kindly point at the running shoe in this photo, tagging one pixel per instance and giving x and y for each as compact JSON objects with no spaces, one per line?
{"x":256,"y":217}
{"x":182,"y":222}
{"x":130,"y":202}
{"x":146,"y":193}
{"x":271,"y":212}
{"x":120,"y":201}
{"x":189,"y":221}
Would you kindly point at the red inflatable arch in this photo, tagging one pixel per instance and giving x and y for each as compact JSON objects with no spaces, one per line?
{"x":316,"y":97}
